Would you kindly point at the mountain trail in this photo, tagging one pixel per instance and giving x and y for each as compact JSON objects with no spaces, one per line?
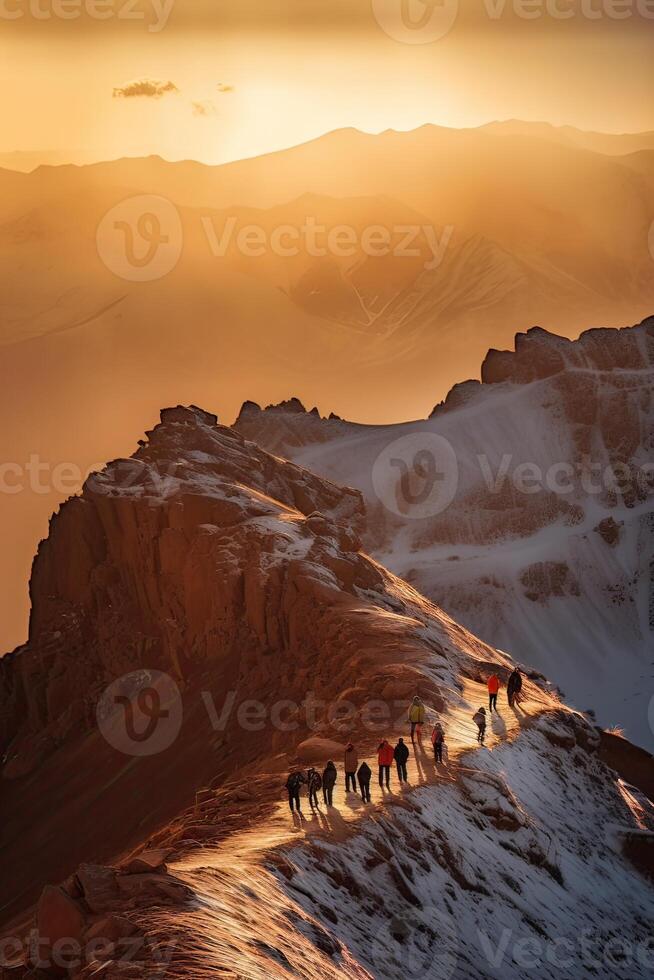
{"x":240,"y":876}
{"x":282,"y":828}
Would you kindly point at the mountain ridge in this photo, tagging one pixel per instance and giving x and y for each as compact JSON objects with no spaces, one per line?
{"x":644,"y":140}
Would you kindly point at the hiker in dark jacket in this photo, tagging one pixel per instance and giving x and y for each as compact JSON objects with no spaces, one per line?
{"x":328,"y":780}
{"x":351,"y":763}
{"x":401,"y":755}
{"x":514,"y":687}
{"x":293,"y":785}
{"x":364,"y":776}
{"x":479,"y":719}
{"x":314,"y":782}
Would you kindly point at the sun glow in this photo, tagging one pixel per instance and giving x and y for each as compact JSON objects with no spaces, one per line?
{"x":236,"y":93}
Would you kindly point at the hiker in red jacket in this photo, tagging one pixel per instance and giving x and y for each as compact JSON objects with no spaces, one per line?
{"x":385,"y":756}
{"x":493,"y":688}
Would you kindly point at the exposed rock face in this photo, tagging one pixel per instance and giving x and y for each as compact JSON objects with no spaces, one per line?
{"x":161,"y":563}
{"x":635,"y":765}
{"x":546,"y":548}
{"x":539,"y":354}
{"x":544,"y":580}
{"x":59,"y":916}
{"x":609,"y":530}
{"x":79,"y":929}
{"x":292,"y":405}
{"x":287,"y":427}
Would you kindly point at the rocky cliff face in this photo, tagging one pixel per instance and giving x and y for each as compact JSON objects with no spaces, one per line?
{"x":540,"y":354}
{"x":162,"y":563}
{"x":544,"y":547}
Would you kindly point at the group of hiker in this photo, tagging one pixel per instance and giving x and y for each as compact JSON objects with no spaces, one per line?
{"x":355,"y":774}
{"x":417,"y":717}
{"x":513,"y":693}
{"x":361,"y":774}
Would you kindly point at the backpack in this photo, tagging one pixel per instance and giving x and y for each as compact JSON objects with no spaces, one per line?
{"x":294,"y":781}
{"x":315,"y":783}
{"x":437,"y":735}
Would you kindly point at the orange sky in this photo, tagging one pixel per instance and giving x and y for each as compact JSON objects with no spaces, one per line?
{"x":297,"y":68}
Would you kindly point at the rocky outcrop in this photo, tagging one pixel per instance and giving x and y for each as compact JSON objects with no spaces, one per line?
{"x":161,"y":563}
{"x":286,"y":427}
{"x":546,"y":580}
{"x":609,"y":529}
{"x":539,"y":354}
{"x":634,"y":764}
{"x":90,"y":924}
{"x":291,"y":406}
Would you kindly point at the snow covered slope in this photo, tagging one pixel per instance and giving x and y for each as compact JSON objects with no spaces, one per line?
{"x":537,"y":529}
{"x":502,"y":865}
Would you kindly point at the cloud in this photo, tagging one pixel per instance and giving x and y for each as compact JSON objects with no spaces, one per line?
{"x":149,"y":88}
{"x":206,"y":108}
{"x":224,"y":88}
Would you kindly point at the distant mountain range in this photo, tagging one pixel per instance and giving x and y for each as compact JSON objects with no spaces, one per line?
{"x":510,"y":225}
{"x":27,"y":160}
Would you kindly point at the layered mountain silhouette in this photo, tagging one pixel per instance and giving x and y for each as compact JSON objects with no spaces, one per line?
{"x":537,"y":225}
{"x":573,"y":217}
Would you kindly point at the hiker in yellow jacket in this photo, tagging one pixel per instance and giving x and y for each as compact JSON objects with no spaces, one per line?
{"x":417,"y":716}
